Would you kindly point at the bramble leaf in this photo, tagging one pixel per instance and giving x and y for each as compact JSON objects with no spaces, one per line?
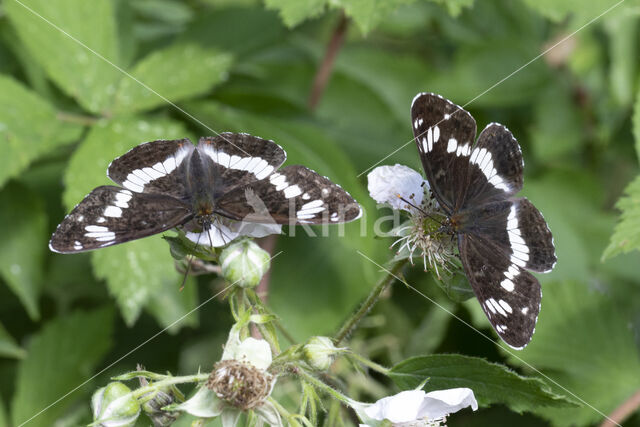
{"x":60,"y":357}
{"x":626,"y":236}
{"x":178,"y":72}
{"x":23,"y":228}
{"x":491,"y":383}
{"x":67,"y":37}
{"x":29,"y":128}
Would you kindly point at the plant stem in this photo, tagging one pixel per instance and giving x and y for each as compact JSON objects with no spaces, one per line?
{"x":368,"y":304}
{"x":167,"y":382}
{"x":324,"y":71}
{"x":322,"y":386}
{"x":370,"y":363}
{"x":623,"y":411}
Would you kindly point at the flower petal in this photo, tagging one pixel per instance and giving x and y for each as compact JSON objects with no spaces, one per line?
{"x":205,"y":404}
{"x":386,"y":183}
{"x":256,"y":352}
{"x":400,"y":408}
{"x":230,"y":417}
{"x":440,"y":403}
{"x":269,"y":414}
{"x":251,"y":350}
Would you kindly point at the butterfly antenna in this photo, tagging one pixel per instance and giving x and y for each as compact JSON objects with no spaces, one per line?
{"x":418,"y":208}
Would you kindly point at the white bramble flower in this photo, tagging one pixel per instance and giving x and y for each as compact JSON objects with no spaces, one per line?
{"x":238,"y":383}
{"x":224,"y":230}
{"x":397,"y":185}
{"x":415,"y":408}
{"x":386,"y":184}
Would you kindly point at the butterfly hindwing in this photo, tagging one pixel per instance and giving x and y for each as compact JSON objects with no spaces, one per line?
{"x":239,"y":159}
{"x":110,"y":215}
{"x":496,"y":166}
{"x":530,"y":237}
{"x":293,"y":194}
{"x":444,"y":134}
{"x":509,"y":295}
{"x":154,"y":167}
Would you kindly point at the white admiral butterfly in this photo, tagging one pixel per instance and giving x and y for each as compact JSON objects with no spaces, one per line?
{"x":500,"y":236}
{"x":167,"y":184}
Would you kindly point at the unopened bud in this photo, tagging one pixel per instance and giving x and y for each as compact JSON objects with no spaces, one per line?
{"x":244,"y":263}
{"x":319,"y":352}
{"x":114,"y":406}
{"x":153,"y":407}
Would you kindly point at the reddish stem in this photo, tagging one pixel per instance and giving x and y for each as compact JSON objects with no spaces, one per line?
{"x":623,"y":411}
{"x":324,"y":71}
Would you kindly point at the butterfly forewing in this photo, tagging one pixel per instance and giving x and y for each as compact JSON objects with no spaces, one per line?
{"x":495,"y":166}
{"x":154,"y":167}
{"x":239,"y":159}
{"x":444,"y":134}
{"x":110,"y":215}
{"x":294,"y":194}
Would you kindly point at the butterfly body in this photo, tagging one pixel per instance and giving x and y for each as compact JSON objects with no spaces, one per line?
{"x":210,"y":190}
{"x":501,"y":237}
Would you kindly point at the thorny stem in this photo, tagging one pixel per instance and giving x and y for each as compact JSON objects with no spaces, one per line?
{"x":623,"y":411}
{"x":324,"y":71}
{"x":368,"y":304}
{"x":158,"y":385}
{"x":370,"y":363}
{"x":322,"y":386}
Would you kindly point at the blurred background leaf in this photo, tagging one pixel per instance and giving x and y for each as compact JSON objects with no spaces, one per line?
{"x":60,"y":358}
{"x":64,"y":37}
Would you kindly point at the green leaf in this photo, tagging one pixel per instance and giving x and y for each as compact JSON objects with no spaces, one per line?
{"x":178,"y":72}
{"x":491,"y":383}
{"x":626,"y":236}
{"x":623,"y":42}
{"x":23,"y":226}
{"x":61,"y":357}
{"x":9,"y":348}
{"x":294,"y":12}
{"x":580,"y":11}
{"x":585,"y":342}
{"x":454,"y":7}
{"x":135,"y":270}
{"x":82,"y":74}
{"x":29,"y":128}
{"x":366,"y":14}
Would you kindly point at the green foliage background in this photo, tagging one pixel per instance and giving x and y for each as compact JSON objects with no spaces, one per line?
{"x":67,"y":109}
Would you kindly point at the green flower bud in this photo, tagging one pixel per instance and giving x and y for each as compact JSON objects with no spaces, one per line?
{"x":244,"y":263}
{"x":319,"y":352}
{"x":113,"y":406}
